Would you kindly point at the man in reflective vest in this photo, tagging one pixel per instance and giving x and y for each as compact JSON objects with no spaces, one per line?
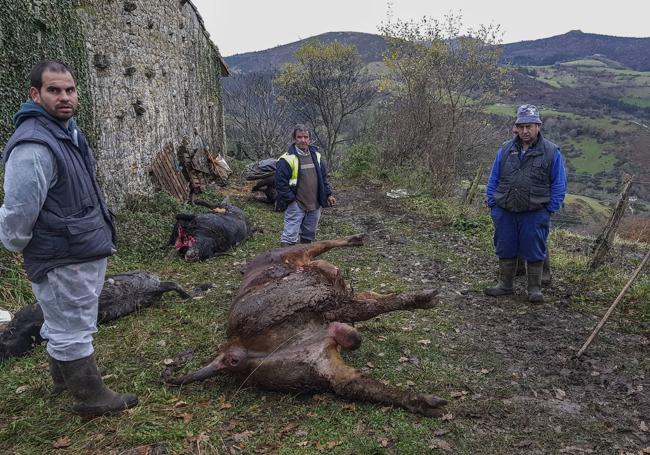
{"x":303,"y":188}
{"x":527,"y":184}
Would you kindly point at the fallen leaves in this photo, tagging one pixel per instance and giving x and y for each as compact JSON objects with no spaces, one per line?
{"x":424,"y":342}
{"x":441,"y":444}
{"x":223,"y":404}
{"x":21,"y":389}
{"x":62,"y":443}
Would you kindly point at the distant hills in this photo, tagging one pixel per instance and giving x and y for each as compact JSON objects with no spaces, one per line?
{"x":371,"y":48}
{"x":633,"y":53}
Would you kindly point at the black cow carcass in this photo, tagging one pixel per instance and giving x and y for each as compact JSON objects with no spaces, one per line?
{"x":122,"y":294}
{"x":202,"y":236}
{"x":263,"y":172}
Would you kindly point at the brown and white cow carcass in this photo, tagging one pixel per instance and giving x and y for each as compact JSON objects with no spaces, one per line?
{"x":289,"y":322}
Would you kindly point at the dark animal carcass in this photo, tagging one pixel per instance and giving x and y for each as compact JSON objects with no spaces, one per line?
{"x":202,"y":236}
{"x":264,"y":172}
{"x":267,"y":186}
{"x":288,"y":324}
{"x":122,"y":294}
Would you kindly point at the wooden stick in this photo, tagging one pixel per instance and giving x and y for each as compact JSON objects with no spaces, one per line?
{"x":611,"y":308}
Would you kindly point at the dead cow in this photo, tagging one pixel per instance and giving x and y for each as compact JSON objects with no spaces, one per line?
{"x":267,"y":186}
{"x":202,"y":236}
{"x":122,"y":294}
{"x":289,"y":321}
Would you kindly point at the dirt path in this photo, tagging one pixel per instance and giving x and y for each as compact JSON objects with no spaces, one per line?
{"x":535,"y":393}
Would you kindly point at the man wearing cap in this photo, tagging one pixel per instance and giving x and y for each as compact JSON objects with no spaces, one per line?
{"x":526,"y":186}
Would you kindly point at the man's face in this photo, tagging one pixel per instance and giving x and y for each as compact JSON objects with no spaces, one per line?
{"x":302,"y":140}
{"x":528,"y":131}
{"x":58,"y":95}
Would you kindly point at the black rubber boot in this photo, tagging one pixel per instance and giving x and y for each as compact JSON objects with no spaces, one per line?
{"x":546,"y":272}
{"x":304,"y":240}
{"x":58,"y":383}
{"x":507,"y":269}
{"x":92,"y":397}
{"x":534,"y":273}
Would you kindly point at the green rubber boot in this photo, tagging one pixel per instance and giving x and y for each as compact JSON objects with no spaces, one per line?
{"x":58,"y":383}
{"x":534,"y":273}
{"x":92,"y":397}
{"x":507,"y":269}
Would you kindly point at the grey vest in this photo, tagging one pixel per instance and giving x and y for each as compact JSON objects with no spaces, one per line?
{"x":74,"y":224}
{"x":525,"y":185}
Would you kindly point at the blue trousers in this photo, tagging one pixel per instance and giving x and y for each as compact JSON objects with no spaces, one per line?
{"x":69,"y":298}
{"x":299,"y":222}
{"x":521,"y":234}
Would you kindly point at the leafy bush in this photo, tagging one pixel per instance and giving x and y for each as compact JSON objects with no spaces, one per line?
{"x":360,"y":161}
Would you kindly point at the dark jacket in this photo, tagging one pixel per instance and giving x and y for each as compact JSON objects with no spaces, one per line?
{"x":287,"y":193}
{"x":74,"y":224}
{"x":525,"y":183}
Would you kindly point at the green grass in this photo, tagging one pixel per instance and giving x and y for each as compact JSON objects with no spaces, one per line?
{"x":219,"y":416}
{"x":592,"y":159}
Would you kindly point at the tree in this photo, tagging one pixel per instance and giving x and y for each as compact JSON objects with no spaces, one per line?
{"x":324,"y":88}
{"x":440,"y":81}
{"x":255,"y":120}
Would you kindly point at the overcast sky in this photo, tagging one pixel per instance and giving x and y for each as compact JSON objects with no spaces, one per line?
{"x":238,"y":26}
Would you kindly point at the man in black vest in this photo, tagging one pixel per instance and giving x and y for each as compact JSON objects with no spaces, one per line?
{"x":527,"y":184}
{"x":55,"y":214}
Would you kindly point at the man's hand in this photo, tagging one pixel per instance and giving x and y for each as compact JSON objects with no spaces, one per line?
{"x":331,"y":200}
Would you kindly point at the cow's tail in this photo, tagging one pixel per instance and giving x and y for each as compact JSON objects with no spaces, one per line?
{"x":166,"y":286}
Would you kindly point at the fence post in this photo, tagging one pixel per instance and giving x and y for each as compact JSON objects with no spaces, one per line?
{"x":473,"y":188}
{"x":606,"y":237}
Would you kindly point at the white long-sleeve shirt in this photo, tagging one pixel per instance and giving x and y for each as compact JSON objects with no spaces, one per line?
{"x":30,"y":172}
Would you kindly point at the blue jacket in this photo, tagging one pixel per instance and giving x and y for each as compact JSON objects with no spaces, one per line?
{"x":286,"y":193}
{"x":74,"y":224}
{"x":509,"y":152}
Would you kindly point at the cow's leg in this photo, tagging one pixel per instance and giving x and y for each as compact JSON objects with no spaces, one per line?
{"x":350,"y":383}
{"x":303,"y":254}
{"x":367,"y":305}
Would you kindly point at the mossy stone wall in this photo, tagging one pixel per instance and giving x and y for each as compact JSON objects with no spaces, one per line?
{"x":31,"y":31}
{"x":148,"y":74}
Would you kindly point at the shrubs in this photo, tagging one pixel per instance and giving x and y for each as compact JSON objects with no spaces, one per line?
{"x":360,"y":161}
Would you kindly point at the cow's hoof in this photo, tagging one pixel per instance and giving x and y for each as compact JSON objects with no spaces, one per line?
{"x":424,"y":299}
{"x":430,"y":406}
{"x":358,"y":239}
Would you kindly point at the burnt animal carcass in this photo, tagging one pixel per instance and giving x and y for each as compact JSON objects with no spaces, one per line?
{"x":289,"y":321}
{"x":122,"y":294}
{"x":263,"y":172}
{"x":202,"y":236}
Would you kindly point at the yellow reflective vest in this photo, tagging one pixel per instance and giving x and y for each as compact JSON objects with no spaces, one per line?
{"x":294,"y":164}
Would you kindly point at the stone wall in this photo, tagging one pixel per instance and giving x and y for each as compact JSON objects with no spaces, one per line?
{"x":31,"y":31}
{"x":150,"y":74}
{"x":155,"y":79}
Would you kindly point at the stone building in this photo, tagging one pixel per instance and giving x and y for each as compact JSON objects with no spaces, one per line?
{"x":150,"y":83}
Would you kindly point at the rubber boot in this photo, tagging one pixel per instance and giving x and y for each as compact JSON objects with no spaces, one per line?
{"x":304,"y":240}
{"x":286,"y":244}
{"x":546,"y":272}
{"x":534,"y":273}
{"x":92,"y":397}
{"x":58,"y":383}
{"x":521,"y":266}
{"x":507,"y":269}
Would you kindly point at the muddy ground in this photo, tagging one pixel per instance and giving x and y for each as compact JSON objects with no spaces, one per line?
{"x":537,"y":397}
